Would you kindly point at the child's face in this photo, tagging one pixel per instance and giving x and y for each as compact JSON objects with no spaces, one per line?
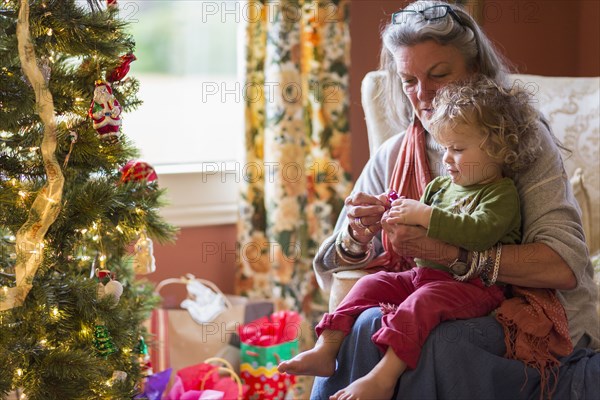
{"x":466,"y":163}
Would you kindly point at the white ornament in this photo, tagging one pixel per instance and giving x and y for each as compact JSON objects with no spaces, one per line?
{"x":112,"y":288}
{"x":119,"y":376}
{"x":115,"y":289}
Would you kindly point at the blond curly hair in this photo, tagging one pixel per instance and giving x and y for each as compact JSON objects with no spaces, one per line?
{"x":505,"y":117}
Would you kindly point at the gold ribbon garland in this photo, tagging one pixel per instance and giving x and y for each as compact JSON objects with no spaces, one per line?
{"x":47,"y":204}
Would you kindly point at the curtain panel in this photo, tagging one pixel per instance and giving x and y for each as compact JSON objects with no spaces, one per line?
{"x":297,"y":147}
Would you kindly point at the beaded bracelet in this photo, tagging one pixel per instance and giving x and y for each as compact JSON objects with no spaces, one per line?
{"x":496,"y":264}
{"x":486,"y":264}
{"x":491,"y":265}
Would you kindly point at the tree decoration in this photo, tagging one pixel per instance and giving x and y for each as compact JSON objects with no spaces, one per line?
{"x":103,"y":342}
{"x":118,"y":376}
{"x":46,"y":206}
{"x":121,"y":71}
{"x":73,"y":136}
{"x":109,"y":286}
{"x":144,"y":261}
{"x":144,"y":357}
{"x":105,"y":112}
{"x":138,"y":171}
{"x":57,"y":339}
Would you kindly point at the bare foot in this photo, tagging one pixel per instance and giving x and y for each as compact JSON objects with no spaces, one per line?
{"x":317,"y":361}
{"x":373,"y":386}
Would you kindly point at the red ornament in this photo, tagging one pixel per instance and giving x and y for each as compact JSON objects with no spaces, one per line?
{"x":104,"y":273}
{"x":111,"y":3}
{"x":391,"y":196}
{"x":105,"y":111}
{"x":119,"y":72}
{"x":138,"y":171}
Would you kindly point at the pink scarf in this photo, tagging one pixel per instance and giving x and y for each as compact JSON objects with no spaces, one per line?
{"x":410,"y":176}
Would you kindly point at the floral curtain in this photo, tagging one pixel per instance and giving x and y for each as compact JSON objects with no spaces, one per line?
{"x":297,"y":167}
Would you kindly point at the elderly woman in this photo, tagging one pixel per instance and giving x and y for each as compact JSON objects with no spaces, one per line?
{"x":427,"y":45}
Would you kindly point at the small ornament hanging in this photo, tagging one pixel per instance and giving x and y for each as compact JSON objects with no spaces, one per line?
{"x":109,"y":286}
{"x":111,"y":3}
{"x":144,"y":261}
{"x":144,"y":358}
{"x":105,"y":112}
{"x":142,"y":348}
{"x":73,"y":137}
{"x":43,"y":64}
{"x":119,"y":72}
{"x":138,"y":171}
{"x":103,"y":341}
{"x":118,"y":376}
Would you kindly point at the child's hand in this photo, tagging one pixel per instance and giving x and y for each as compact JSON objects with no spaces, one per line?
{"x":409,"y":212}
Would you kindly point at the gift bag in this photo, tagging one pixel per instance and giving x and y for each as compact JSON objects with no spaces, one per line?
{"x":180,"y":338}
{"x":264,"y":344}
{"x":207,"y":381}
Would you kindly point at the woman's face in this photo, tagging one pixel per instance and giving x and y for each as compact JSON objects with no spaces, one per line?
{"x":423,"y":69}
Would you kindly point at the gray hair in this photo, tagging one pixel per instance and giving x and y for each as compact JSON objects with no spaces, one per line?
{"x":479,"y":53}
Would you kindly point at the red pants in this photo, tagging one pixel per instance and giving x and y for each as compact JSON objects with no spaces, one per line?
{"x":424,"y":298}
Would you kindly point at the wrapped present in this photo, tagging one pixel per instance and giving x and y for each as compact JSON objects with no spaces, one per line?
{"x":266,"y":342}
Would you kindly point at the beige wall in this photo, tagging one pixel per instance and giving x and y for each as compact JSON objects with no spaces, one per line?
{"x":545,"y":37}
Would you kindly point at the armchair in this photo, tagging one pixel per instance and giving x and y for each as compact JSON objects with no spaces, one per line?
{"x":572,"y":108}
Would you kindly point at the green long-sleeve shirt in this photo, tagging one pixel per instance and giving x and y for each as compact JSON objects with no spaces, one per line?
{"x":474,"y":217}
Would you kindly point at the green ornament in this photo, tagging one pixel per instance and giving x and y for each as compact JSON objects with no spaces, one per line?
{"x":103,"y":342}
{"x":142,"y":347}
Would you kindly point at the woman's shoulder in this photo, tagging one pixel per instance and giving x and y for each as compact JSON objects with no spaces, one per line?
{"x":387,"y":152}
{"x":392,"y":144}
{"x":547,"y":166}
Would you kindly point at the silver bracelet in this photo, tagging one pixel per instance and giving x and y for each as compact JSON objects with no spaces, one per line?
{"x":352,"y":246}
{"x":348,"y":257}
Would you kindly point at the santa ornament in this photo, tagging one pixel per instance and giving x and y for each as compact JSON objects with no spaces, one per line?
{"x":105,"y":112}
{"x":138,"y":171}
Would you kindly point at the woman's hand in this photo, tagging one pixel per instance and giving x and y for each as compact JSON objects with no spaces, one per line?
{"x":364,"y":213}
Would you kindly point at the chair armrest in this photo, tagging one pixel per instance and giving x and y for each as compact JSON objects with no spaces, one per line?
{"x":341,"y":285}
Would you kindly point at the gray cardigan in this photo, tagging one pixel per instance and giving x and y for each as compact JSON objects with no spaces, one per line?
{"x":550,"y":215}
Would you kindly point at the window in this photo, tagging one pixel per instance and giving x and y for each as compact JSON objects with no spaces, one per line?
{"x":187,"y":66}
{"x":190,"y":127}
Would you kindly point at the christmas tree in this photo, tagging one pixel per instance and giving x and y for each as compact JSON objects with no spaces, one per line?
{"x":73,"y":198}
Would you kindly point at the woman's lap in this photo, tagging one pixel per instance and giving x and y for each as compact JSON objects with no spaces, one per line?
{"x":460,"y":360}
